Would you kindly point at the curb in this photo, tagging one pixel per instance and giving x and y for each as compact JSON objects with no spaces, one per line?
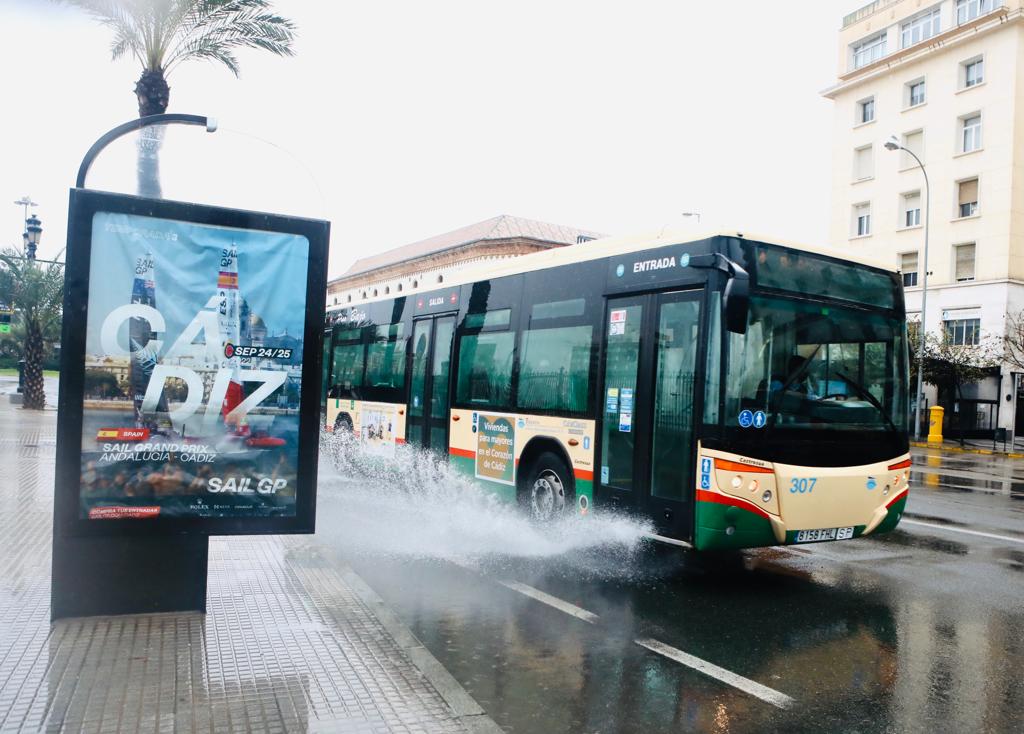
{"x":467,"y":710}
{"x":964,"y":450}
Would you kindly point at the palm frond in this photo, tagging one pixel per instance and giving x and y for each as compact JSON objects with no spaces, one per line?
{"x":163,"y":33}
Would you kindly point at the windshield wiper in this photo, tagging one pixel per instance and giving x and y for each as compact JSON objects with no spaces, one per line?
{"x":862,"y":391}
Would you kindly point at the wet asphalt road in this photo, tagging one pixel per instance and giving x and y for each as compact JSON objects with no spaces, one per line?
{"x":918,"y":630}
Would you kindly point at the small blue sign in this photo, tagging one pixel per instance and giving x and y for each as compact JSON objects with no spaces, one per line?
{"x":872,"y":483}
{"x":684,"y":260}
{"x":604,"y":475}
{"x":521,"y":423}
{"x":760,"y":419}
{"x":705,"y":465}
{"x":586,"y":443}
{"x":626,"y":400}
{"x":619,"y":271}
{"x":705,"y":481}
{"x":746,"y":419}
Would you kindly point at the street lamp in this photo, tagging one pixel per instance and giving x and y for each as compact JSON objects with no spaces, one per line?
{"x":893,"y":143}
{"x":692,"y":214}
{"x":33,"y":233}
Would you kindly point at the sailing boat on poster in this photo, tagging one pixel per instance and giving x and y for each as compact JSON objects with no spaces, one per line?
{"x":237,"y":427}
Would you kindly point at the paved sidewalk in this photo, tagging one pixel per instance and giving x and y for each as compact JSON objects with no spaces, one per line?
{"x":292,"y":639}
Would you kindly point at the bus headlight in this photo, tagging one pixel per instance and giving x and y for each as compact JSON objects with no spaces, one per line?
{"x":737,"y":481}
{"x":753,"y":486}
{"x":767,"y":496}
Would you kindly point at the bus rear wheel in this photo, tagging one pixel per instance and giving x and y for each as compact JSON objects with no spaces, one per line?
{"x":547,"y":492}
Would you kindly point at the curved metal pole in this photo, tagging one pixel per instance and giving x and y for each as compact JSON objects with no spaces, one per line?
{"x":924,"y":296}
{"x":137,"y":124}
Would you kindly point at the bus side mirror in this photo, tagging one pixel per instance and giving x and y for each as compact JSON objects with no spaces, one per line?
{"x":736,"y":301}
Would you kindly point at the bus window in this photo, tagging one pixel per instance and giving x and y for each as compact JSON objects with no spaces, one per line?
{"x":713,"y":373}
{"x":485,"y":368}
{"x":488,"y":320}
{"x":558,"y":309}
{"x":348,"y":369}
{"x":385,"y":361}
{"x":554,"y":370}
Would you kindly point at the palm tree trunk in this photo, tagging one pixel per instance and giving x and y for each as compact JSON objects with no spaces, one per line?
{"x":34,"y":392}
{"x":153,"y":94}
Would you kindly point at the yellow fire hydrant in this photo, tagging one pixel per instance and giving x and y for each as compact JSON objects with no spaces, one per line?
{"x":935,"y":423}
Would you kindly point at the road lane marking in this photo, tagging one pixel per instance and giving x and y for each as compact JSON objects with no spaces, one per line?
{"x":980,"y":534}
{"x":552,"y":601}
{"x":766,"y":694}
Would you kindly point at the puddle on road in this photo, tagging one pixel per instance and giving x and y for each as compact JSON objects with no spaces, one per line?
{"x":414,"y":505}
{"x":927,"y":542}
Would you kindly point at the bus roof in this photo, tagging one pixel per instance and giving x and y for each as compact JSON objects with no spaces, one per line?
{"x":596,"y":250}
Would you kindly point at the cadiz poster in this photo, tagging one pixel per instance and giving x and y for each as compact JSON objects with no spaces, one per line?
{"x":193,"y":370}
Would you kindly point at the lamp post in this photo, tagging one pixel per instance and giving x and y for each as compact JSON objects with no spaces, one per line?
{"x":693,"y":214}
{"x":33,"y":233}
{"x":893,"y":143}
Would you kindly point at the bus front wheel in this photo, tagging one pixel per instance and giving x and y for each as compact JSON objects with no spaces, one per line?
{"x":547,"y":492}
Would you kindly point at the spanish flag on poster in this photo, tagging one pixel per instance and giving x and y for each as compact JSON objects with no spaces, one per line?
{"x":226,"y":279}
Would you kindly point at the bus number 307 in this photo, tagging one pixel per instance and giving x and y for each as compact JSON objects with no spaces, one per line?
{"x":802,"y":486}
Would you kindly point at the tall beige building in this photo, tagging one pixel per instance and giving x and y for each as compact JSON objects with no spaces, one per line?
{"x":946,"y":78}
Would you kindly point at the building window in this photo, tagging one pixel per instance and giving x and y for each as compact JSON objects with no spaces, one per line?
{"x":415,"y":284}
{"x":866,"y":110}
{"x":970,"y":133}
{"x":967,"y":198}
{"x":863,"y":163}
{"x":914,"y":142}
{"x":869,"y":50}
{"x":908,"y":267}
{"x":972,"y":73}
{"x":862,"y":220}
{"x":440,"y":279}
{"x":964,"y":262}
{"x":349,"y":298}
{"x":963,"y":332}
{"x":911,"y":210}
{"x":920,"y":28}
{"x":970,"y":9}
{"x":915,"y":93}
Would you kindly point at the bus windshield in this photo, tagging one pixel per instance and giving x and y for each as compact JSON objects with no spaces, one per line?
{"x":813,"y":368}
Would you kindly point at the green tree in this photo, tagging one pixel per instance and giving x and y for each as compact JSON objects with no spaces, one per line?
{"x":36,"y":291}
{"x":951,"y":366}
{"x":161,"y":34}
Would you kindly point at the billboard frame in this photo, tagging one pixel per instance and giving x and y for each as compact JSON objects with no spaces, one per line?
{"x":84,"y":204}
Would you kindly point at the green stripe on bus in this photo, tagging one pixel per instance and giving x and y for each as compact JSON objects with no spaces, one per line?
{"x":748,"y":529}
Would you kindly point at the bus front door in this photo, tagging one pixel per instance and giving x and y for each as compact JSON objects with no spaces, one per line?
{"x":646,"y":453}
{"x":426,"y":425}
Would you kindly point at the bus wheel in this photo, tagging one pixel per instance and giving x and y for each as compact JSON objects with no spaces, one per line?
{"x":547,"y":491}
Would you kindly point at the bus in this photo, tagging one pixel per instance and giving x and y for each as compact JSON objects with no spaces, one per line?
{"x":734,"y":391}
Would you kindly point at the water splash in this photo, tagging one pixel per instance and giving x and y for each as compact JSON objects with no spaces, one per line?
{"x":416,"y":505}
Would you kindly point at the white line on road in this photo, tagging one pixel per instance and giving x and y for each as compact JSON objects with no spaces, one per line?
{"x":766,"y":694}
{"x":769,"y":695}
{"x":552,"y":601}
{"x":980,"y":534}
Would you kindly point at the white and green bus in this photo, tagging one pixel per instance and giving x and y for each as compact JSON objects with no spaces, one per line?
{"x":734,"y":391}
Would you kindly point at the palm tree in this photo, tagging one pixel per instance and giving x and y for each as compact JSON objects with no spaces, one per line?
{"x":161,"y":34}
{"x":37,"y":294}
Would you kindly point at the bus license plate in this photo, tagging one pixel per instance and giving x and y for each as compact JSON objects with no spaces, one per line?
{"x":811,"y":536}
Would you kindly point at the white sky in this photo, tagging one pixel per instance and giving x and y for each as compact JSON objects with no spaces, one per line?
{"x":415,"y":118}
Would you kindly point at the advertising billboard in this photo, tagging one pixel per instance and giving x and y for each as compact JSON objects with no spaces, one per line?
{"x":189,"y":335}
